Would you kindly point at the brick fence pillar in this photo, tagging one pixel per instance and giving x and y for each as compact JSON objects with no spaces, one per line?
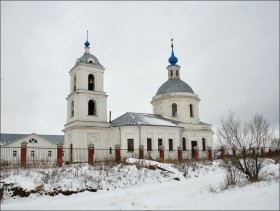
{"x":117,"y":153}
{"x":90,"y":153}
{"x":195,"y":153}
{"x":222,"y":153}
{"x":23,"y":154}
{"x":180,"y":153}
{"x":71,"y":153}
{"x":262,"y":152}
{"x":141,"y":152}
{"x":161,"y":152}
{"x":234,"y":151}
{"x":59,"y":155}
{"x":210,"y":155}
{"x":253,"y":152}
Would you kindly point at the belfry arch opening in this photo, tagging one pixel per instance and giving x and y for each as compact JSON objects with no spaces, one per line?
{"x":174,"y":109}
{"x":91,"y":108}
{"x":91,"y":82}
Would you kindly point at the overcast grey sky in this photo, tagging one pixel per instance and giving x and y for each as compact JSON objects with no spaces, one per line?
{"x":228,"y":53}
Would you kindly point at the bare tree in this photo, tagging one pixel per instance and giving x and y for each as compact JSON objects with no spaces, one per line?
{"x":247,"y":139}
{"x":275,"y":143}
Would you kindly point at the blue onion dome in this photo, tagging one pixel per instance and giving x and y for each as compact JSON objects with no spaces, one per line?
{"x":87,"y":43}
{"x":173,"y":59}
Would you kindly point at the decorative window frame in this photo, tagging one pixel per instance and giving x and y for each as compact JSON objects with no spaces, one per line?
{"x":33,"y":140}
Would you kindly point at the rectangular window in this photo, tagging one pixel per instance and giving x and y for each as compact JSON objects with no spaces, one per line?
{"x":32,"y":153}
{"x":49,"y":153}
{"x":149,"y":144}
{"x":184,"y":145}
{"x":159,"y":142}
{"x":63,"y":153}
{"x":203,"y":144}
{"x":170,"y":141}
{"x":14,"y":153}
{"x":130,"y":145}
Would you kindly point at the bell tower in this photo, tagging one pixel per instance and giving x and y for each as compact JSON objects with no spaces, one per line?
{"x":87,"y":101}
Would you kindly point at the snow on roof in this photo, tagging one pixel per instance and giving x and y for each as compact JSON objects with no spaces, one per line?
{"x":130,"y":118}
{"x":6,"y":138}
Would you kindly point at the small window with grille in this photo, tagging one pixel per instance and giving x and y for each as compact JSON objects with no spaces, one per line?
{"x":149,"y":144}
{"x":130,"y":145}
{"x":159,"y":143}
{"x":170,"y":141}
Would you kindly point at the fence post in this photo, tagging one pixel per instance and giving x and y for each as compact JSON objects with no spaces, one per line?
{"x":234,"y":151}
{"x":180,"y":155}
{"x":71,"y":153}
{"x":90,"y":153}
{"x":222,"y":153}
{"x":277,"y":152}
{"x":59,"y":155}
{"x":23,"y":153}
{"x":161,"y":152}
{"x":117,"y":153}
{"x":262,"y":151}
{"x":210,"y":156}
{"x":270,"y":152}
{"x":244,"y":151}
{"x":254,"y":152}
{"x":195,"y":149}
{"x":141,"y":152}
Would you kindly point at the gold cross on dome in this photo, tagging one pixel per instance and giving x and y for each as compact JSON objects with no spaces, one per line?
{"x":172,"y":42}
{"x":87,"y":35}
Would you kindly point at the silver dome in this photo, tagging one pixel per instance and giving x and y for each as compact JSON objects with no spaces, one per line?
{"x":174,"y":85}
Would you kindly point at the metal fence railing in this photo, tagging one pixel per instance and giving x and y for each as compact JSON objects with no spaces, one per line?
{"x":49,"y":156}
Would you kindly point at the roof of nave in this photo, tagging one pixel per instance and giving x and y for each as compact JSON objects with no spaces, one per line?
{"x":6,"y":138}
{"x":131,"y":118}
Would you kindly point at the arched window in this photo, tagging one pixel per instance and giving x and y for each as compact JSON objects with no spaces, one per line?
{"x":191,"y":110}
{"x":171,"y":73}
{"x":177,"y":73}
{"x":33,"y":140}
{"x":74,"y":83}
{"x":174,"y":109}
{"x":184,"y":144}
{"x":72,"y":109}
{"x":91,"y":84}
{"x":203,"y":144}
{"x":91,"y":108}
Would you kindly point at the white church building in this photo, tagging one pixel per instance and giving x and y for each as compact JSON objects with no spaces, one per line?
{"x":175,"y":121}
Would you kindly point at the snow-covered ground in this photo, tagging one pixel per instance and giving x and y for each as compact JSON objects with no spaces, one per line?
{"x":140,"y":186}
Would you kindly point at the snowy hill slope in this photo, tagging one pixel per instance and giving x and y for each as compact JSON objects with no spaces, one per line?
{"x":138,"y":184}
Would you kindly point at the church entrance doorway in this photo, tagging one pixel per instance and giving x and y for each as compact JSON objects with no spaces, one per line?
{"x":194,"y":144}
